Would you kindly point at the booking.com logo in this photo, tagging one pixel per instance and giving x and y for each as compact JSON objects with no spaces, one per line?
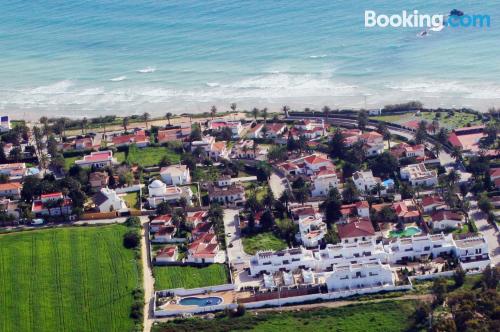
{"x":416,"y":20}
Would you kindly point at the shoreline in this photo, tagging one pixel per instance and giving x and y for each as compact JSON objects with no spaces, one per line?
{"x":273,"y":105}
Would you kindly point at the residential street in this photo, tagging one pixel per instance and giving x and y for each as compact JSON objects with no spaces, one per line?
{"x":235,"y":251}
{"x":490,"y":234}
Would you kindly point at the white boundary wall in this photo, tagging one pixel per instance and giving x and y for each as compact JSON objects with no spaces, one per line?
{"x":273,"y":302}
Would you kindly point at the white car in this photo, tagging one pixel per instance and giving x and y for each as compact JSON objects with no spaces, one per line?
{"x":39,"y":221}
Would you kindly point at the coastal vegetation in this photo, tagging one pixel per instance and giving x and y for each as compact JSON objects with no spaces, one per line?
{"x":67,"y":279}
{"x":168,"y":277}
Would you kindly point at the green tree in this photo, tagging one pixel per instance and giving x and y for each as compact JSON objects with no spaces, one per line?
{"x":168,"y":116}
{"x":350,"y":192}
{"x":362,"y":119}
{"x":331,"y":206}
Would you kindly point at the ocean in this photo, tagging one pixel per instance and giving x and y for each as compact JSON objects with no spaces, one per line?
{"x":95,"y":57}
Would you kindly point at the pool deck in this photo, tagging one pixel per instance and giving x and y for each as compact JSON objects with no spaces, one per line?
{"x":226,"y":296}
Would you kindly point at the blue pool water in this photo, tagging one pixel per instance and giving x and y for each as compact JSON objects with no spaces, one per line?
{"x":201,"y":302}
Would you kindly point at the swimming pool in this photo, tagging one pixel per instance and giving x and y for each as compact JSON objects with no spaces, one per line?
{"x":200,"y":301}
{"x":408,"y":231}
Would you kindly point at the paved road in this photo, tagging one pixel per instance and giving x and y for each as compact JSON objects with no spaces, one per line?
{"x":276,"y":184}
{"x":490,"y":234}
{"x":235,"y":252}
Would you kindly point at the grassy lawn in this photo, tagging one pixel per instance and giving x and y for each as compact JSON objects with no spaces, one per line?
{"x":70,"y":161}
{"x":131,"y":200}
{"x":262,"y":241}
{"x":67,"y":279}
{"x":387,"y":316}
{"x":150,"y":156}
{"x":168,"y":277}
{"x":455,"y":121}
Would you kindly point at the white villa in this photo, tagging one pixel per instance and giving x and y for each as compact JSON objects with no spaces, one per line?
{"x":418,"y":174}
{"x":106,"y":200}
{"x":365,"y":181}
{"x":160,"y":192}
{"x":323,"y":181}
{"x":97,"y":159}
{"x":175,"y":175}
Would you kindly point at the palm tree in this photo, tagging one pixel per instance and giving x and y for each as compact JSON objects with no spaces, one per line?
{"x":146,"y":116}
{"x":264,"y":114}
{"x":125,"y":123}
{"x":45,"y":121}
{"x":326,"y":112}
{"x":233,"y":107}
{"x":285,"y":110}
{"x":437,"y":149}
{"x":456,"y":153}
{"x":84,"y":124}
{"x":213,"y":111}
{"x":453,"y":177}
{"x":285,"y":198}
{"x":378,"y":188}
{"x":255,"y":113}
{"x":168,"y":116}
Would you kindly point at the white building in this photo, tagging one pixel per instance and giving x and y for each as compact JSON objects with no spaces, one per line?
{"x":446,"y":220}
{"x":365,"y":181}
{"x":232,"y":194}
{"x":175,"y":175}
{"x":106,"y":200}
{"x":312,"y":230}
{"x":323,"y":181}
{"x":167,"y":254}
{"x":418,"y":174}
{"x":472,"y":252}
{"x":205,"y":144}
{"x":160,"y":192}
{"x":97,"y":159}
{"x":235,"y":126}
{"x":359,"y":275}
{"x":5,"y":123}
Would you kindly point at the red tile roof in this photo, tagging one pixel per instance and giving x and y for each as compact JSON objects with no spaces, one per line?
{"x":361,"y":227}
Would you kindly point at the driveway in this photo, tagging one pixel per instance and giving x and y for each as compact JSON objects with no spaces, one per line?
{"x":234,"y":245}
{"x":490,"y":234}
{"x":276,"y":184}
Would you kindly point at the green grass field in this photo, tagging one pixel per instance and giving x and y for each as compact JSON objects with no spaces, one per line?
{"x":387,"y":316}
{"x":262,"y":241}
{"x":67,"y":279}
{"x":168,"y":277}
{"x":150,"y":156}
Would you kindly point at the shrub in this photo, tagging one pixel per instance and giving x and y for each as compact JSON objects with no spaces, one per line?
{"x":133,"y":222}
{"x":136,"y":310}
{"x":131,"y":239}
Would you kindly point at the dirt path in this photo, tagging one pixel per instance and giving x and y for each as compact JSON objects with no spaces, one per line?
{"x":147,"y":276}
{"x":337,"y":304}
